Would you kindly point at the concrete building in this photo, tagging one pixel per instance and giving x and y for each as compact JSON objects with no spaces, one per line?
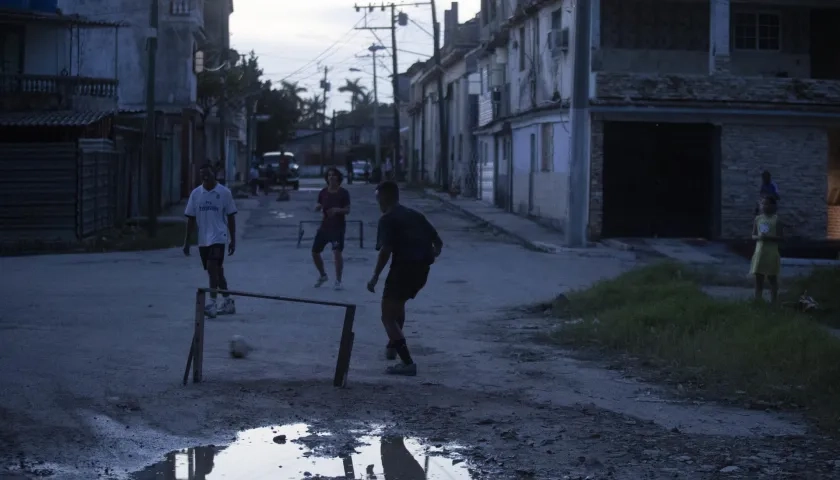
{"x":179,"y":33}
{"x":461,"y":83}
{"x":689,"y":101}
{"x":59,"y":171}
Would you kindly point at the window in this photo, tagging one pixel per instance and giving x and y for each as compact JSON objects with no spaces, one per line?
{"x":557,"y":19}
{"x":757,"y":31}
{"x":11,"y":51}
{"x":547,"y":157}
{"x":522,"y":49}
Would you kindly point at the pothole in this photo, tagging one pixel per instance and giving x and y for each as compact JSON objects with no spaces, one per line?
{"x":296,"y":452}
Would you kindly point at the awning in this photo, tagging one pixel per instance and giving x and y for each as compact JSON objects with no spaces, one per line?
{"x":60,"y":118}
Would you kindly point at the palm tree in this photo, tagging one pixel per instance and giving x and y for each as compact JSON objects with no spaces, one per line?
{"x":294,"y":91}
{"x":355,"y":89}
{"x":312,"y":111}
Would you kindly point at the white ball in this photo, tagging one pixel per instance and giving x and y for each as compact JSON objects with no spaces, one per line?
{"x":239,"y":348}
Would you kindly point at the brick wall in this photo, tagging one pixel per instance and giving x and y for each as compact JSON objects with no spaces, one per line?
{"x":596,"y":179}
{"x":644,"y":87}
{"x":834,"y":222}
{"x":796,"y":156}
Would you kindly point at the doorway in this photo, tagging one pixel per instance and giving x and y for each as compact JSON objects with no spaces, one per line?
{"x":825,"y":43}
{"x":659,"y":179}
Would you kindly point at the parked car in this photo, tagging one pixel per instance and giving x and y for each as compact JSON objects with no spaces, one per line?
{"x":361,"y":169}
{"x":280,"y":168}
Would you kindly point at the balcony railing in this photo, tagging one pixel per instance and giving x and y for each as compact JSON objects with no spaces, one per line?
{"x":185,"y":7}
{"x":57,"y":85}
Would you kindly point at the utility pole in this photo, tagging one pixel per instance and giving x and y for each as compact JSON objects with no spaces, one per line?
{"x":225,"y":38}
{"x":326,"y":87}
{"x":396,"y":86}
{"x":579,"y":177}
{"x":378,"y":141}
{"x":444,"y":141}
{"x":151,"y":120}
{"x":332,"y":141}
{"x":400,"y":19}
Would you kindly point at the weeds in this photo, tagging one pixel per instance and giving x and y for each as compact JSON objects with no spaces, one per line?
{"x":660,"y":314}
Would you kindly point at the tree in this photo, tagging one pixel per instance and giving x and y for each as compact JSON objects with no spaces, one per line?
{"x":355,"y":89}
{"x":281,"y":107}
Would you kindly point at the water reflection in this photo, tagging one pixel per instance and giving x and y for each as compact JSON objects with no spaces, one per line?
{"x":394,"y":458}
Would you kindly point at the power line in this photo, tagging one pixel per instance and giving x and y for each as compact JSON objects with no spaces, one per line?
{"x":315,"y":60}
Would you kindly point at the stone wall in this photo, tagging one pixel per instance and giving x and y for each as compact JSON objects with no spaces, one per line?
{"x":596,"y":179}
{"x":628,"y":88}
{"x":797,"y":157}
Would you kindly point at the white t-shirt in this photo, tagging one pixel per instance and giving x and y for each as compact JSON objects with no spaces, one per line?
{"x":210,"y":209}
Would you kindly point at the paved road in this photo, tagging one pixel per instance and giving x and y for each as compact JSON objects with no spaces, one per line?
{"x":92,"y":348}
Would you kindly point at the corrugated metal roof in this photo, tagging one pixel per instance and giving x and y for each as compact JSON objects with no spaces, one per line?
{"x":51,"y":118}
{"x":24,"y":16}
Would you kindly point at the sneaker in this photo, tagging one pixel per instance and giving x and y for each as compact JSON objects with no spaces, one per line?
{"x":390,"y":353}
{"x":211,"y":310}
{"x":321,"y":280}
{"x":228,"y":307}
{"x":402,"y":369}
{"x":337,"y":286}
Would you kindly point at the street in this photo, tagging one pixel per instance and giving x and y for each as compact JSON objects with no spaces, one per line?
{"x":93,"y":347}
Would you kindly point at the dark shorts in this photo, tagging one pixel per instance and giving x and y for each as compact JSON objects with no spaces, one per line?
{"x":215,"y":252}
{"x":331,"y":237}
{"x":404,"y":282}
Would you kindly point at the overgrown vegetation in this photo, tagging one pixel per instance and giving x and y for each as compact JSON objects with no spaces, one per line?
{"x":770,"y":355}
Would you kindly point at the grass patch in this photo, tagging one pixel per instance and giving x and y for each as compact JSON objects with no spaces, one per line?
{"x":723,"y":348}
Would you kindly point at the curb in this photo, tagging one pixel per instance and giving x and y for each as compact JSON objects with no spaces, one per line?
{"x":519,"y":238}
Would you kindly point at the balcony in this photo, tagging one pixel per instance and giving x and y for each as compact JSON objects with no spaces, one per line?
{"x":23,"y":92}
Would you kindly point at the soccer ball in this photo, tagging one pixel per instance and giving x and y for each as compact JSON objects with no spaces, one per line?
{"x":239,"y":348}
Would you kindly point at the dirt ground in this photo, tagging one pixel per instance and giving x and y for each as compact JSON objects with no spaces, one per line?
{"x":93,"y":347}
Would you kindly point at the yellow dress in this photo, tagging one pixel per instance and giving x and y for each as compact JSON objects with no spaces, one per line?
{"x":766,"y":259}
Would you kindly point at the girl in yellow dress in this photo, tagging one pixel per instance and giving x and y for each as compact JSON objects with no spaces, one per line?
{"x":766,"y":260}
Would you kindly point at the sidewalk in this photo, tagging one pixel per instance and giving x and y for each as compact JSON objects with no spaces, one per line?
{"x":529,"y":233}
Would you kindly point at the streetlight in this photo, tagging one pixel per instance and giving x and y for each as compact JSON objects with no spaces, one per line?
{"x":373,"y":49}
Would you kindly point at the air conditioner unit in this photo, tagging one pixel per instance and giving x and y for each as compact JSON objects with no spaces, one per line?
{"x":558,"y":41}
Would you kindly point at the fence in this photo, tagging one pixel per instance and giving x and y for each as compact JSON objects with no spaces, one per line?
{"x":56,"y":192}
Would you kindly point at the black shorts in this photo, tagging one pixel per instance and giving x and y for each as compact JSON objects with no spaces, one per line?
{"x":405,"y":281}
{"x":332,"y":237}
{"x":215,"y":252}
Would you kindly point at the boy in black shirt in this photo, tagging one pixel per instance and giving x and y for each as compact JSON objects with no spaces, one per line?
{"x":411,"y":243}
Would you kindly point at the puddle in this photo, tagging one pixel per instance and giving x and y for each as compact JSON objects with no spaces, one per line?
{"x":294,"y":452}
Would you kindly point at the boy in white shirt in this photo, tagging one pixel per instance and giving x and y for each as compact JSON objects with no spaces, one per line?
{"x":211,"y":208}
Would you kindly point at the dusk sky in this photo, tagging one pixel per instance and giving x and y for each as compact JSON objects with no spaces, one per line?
{"x":296,"y":40}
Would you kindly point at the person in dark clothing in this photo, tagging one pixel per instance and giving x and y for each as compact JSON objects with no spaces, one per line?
{"x":768,"y":189}
{"x":397,"y":462}
{"x":334,"y":202}
{"x":411,"y":243}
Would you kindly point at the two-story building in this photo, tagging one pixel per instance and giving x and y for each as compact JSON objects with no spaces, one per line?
{"x":58,"y":167}
{"x":689,"y":101}
{"x":460,"y":83}
{"x":524,"y":127}
{"x":692,"y":100}
{"x":179,"y":34}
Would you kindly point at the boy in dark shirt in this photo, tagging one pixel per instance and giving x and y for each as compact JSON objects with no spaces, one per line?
{"x":411,"y":243}
{"x":334,"y":201}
